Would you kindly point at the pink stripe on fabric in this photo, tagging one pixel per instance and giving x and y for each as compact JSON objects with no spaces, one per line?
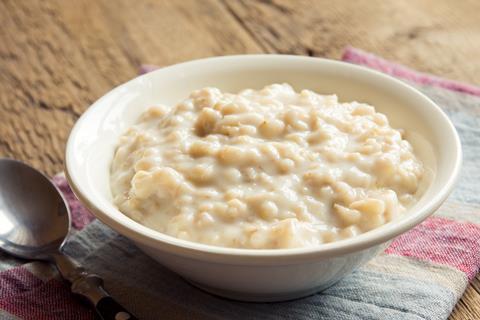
{"x":52,"y":301}
{"x":146,"y":68}
{"x":27,"y":297}
{"x":361,"y":57}
{"x":442,"y":241}
{"x":80,"y":215}
{"x":16,"y":281}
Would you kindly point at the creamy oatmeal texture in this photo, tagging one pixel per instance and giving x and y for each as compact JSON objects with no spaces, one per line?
{"x":264,"y":169}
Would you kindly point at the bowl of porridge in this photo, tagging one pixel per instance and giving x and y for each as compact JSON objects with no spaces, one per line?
{"x":263,"y":177}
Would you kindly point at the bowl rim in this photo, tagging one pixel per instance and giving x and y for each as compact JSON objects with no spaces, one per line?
{"x":154,"y":239}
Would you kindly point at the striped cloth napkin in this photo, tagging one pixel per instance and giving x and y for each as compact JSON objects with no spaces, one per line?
{"x":420,"y":276}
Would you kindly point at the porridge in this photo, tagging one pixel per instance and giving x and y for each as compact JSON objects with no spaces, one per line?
{"x":264,"y":169}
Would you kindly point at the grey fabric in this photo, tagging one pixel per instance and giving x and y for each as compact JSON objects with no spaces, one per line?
{"x":7,"y":316}
{"x":151,"y":291}
{"x":464,"y":111}
{"x":7,"y":261}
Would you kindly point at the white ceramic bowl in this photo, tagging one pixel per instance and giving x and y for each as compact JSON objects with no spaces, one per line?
{"x":245,"y":274}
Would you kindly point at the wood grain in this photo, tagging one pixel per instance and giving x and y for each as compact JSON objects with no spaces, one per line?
{"x":442,"y":37}
{"x":57,"y":57}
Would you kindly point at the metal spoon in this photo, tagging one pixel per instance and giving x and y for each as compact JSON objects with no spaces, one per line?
{"x":34,"y":224}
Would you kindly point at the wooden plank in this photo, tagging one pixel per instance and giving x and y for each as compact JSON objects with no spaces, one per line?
{"x":467,"y":307}
{"x":57,"y":57}
{"x":438,"y":36}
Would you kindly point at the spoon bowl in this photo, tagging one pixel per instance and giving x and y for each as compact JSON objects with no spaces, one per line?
{"x":34,"y":219}
{"x":34,"y":224}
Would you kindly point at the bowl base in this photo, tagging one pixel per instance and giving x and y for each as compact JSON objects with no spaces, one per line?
{"x":258,"y":297}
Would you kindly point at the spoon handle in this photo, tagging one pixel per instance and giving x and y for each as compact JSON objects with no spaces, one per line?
{"x":90,"y":286}
{"x":109,"y":309}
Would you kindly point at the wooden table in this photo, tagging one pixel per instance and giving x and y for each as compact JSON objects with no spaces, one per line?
{"x":57,"y":57}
